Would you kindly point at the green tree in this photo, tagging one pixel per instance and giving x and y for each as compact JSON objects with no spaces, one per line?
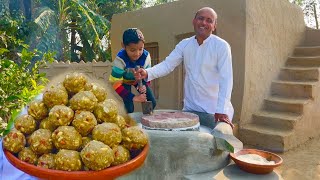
{"x":70,"y":28}
{"x":4,"y":7}
{"x":157,"y":2}
{"x":20,"y":81}
{"x":109,"y":7}
{"x":311,"y":10}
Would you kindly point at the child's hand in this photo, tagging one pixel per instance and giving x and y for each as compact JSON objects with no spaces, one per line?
{"x":140,"y":98}
{"x":142,"y":89}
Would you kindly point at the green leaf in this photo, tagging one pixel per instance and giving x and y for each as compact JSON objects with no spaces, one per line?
{"x":229,"y":147}
{"x":12,"y":98}
{"x":224,"y":145}
{"x":14,"y":115}
{"x":34,"y":83}
{"x":3,"y":50}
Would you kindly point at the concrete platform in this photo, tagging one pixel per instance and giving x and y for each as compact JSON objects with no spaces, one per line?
{"x":232,"y":172}
{"x":189,"y":156}
{"x":174,"y":154}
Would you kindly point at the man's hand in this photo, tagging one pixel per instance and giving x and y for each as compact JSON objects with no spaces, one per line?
{"x":142,"y":89}
{"x":223,"y":118}
{"x":140,"y":98}
{"x":140,"y":74}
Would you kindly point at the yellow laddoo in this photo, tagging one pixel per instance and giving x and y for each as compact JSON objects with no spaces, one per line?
{"x":96,"y":155}
{"x":46,"y":161}
{"x":106,"y":111}
{"x":134,"y":138}
{"x":108,"y":133}
{"x":84,"y":122}
{"x":14,"y":141}
{"x":38,"y":110}
{"x":28,"y":156}
{"x":61,"y":115}
{"x":40,"y":141}
{"x":99,"y":91}
{"x":121,"y":155}
{"x":66,"y":137}
{"x":55,"y":95}
{"x":74,"y":82}
{"x":68,"y":160}
{"x":25,"y":124}
{"x":84,"y":101}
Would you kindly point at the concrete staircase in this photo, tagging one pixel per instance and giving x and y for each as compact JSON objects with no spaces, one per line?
{"x":285,"y":118}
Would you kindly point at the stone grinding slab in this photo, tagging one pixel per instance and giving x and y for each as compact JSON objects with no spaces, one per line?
{"x":171,"y":121}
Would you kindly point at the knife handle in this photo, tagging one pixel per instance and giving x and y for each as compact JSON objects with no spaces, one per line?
{"x":139,"y":81}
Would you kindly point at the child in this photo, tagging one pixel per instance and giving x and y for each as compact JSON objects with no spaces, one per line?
{"x":130,"y":56}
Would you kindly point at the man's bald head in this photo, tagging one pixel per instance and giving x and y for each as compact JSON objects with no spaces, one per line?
{"x":207,"y":9}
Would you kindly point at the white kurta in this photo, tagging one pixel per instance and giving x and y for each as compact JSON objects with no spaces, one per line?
{"x":208,"y":78}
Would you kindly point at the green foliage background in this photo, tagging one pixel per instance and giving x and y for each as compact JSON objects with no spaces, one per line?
{"x":34,"y":32}
{"x":19,"y":79}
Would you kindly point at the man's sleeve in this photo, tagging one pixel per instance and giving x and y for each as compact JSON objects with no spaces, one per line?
{"x":168,"y":65}
{"x":225,"y":78}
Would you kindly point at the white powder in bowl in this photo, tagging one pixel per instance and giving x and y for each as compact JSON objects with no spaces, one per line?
{"x":255,"y":159}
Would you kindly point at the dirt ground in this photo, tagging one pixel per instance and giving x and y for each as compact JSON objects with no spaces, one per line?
{"x":302,"y":162}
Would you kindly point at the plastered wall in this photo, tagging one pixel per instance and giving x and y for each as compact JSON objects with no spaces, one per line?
{"x":273,"y":29}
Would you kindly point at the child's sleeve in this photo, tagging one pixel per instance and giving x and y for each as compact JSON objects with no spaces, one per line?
{"x":116,"y":79}
{"x":147,"y":63}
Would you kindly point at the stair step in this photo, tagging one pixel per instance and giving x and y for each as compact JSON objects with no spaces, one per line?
{"x":276,"y":119}
{"x":299,"y":73}
{"x":306,"y":61}
{"x":264,"y":137}
{"x":295,"y":89}
{"x":307,"y":51}
{"x":284,"y":104}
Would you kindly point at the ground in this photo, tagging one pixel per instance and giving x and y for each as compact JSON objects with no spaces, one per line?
{"x":301,"y":162}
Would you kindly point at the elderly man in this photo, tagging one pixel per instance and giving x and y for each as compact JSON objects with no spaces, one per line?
{"x":208,"y":65}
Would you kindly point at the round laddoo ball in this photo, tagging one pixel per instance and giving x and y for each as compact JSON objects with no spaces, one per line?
{"x":134,"y":138}
{"x":25,"y":124}
{"x":84,"y":122}
{"x":40,"y":141}
{"x":14,"y":141}
{"x":61,"y":115}
{"x":28,"y":156}
{"x":106,"y":111}
{"x":55,"y":95}
{"x":85,"y":141}
{"x":47,"y":124}
{"x":84,"y":101}
{"x":96,"y":155}
{"x":121,"y":122}
{"x":74,"y":82}
{"x":38,"y":110}
{"x":68,"y":160}
{"x":99,"y":91}
{"x":46,"y":161}
{"x":66,"y":137}
{"x":121,"y":155}
{"x":108,"y":133}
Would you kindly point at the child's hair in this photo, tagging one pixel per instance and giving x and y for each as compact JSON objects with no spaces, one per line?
{"x":132,"y":35}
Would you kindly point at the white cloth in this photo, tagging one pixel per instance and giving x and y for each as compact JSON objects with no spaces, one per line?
{"x":208,"y":78}
{"x":9,"y":172}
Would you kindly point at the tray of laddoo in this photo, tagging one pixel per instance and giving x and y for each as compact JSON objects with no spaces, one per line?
{"x":74,"y":131}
